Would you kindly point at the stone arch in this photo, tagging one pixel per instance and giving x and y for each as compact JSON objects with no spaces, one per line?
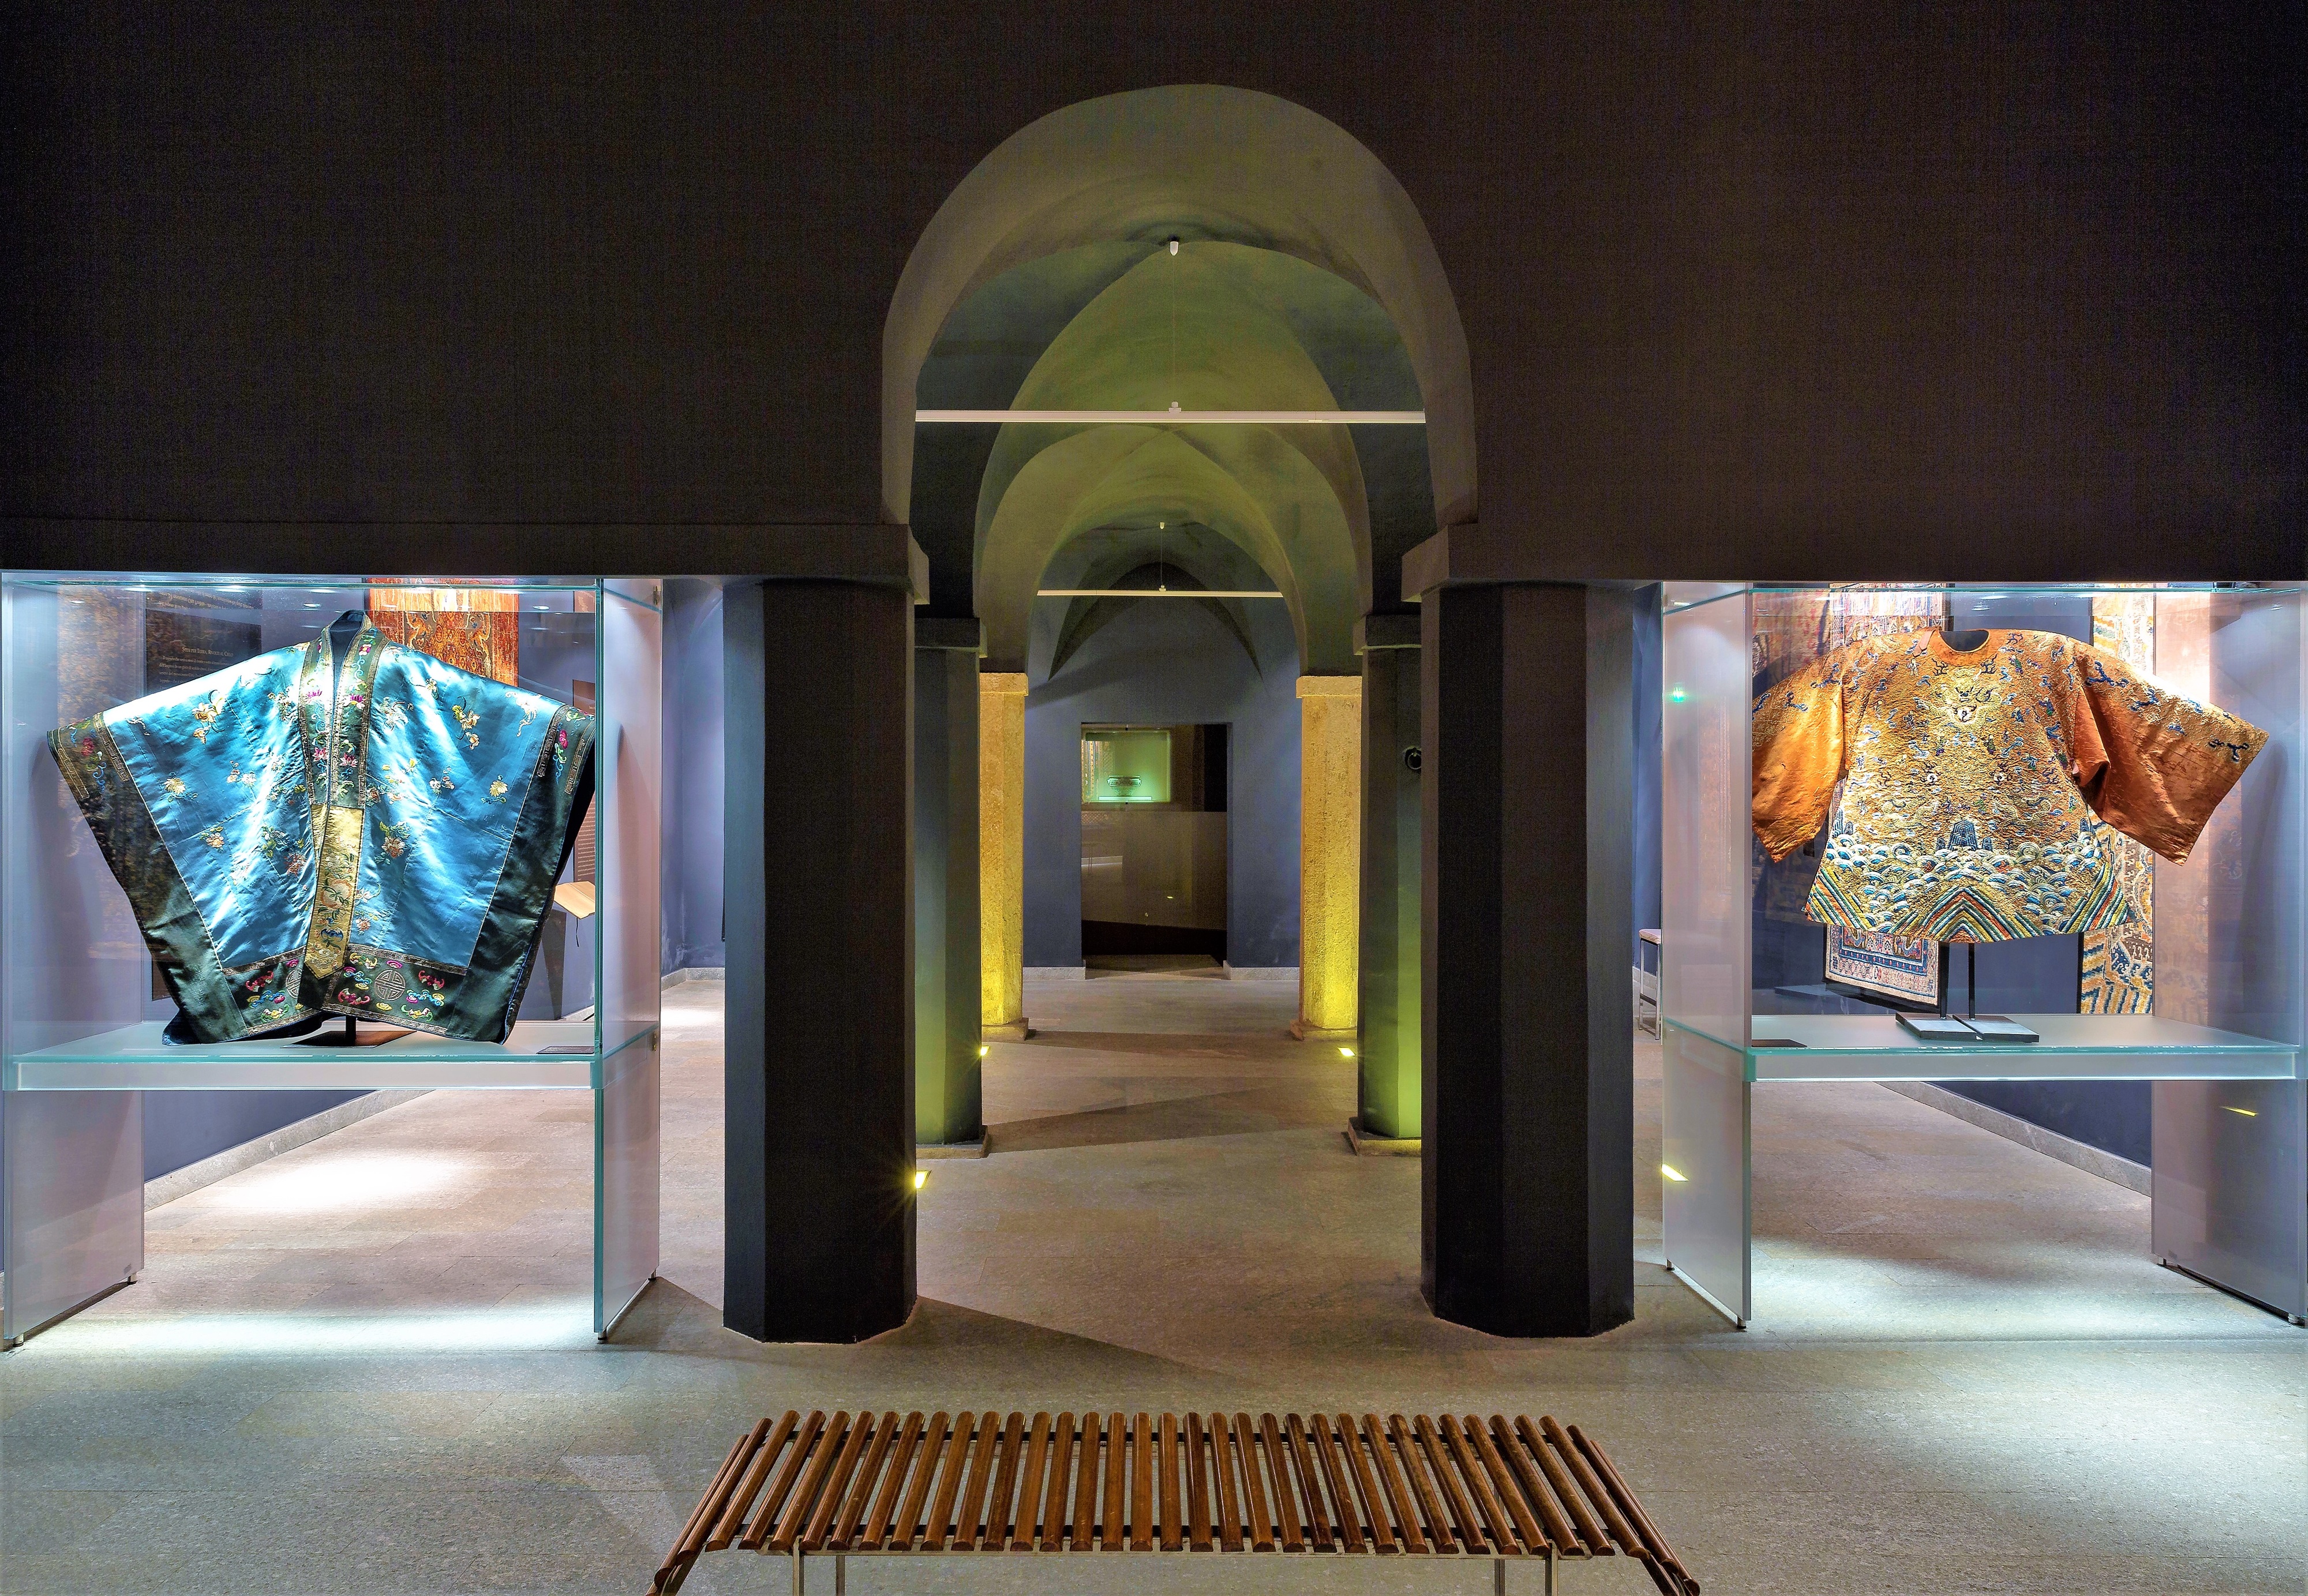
{"x":1200,"y":161}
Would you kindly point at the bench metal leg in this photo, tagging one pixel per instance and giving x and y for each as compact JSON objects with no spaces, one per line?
{"x":797,"y":1580}
{"x":841,"y":1576}
{"x":1554,"y":1573}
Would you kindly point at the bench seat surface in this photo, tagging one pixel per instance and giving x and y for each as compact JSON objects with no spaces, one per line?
{"x":1440,"y":1485}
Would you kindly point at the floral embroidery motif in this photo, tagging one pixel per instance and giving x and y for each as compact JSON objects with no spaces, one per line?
{"x":497,"y":791}
{"x":393,"y":838}
{"x":466,"y":721}
{"x":213,"y":836}
{"x":205,"y":715}
{"x":177,"y":786}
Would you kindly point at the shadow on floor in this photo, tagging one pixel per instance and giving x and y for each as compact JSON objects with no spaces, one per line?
{"x":1250,"y":1112}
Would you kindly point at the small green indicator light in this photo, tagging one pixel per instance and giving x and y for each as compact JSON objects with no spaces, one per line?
{"x":1677,"y":695}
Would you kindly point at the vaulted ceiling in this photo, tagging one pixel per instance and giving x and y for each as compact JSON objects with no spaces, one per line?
{"x":1311,"y":510}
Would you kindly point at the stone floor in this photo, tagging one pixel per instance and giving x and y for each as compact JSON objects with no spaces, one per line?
{"x":364,"y":1366}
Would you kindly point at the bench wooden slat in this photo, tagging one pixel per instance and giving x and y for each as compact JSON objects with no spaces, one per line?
{"x":795,"y":1514}
{"x":1458,"y":1526}
{"x":1082,"y":1532}
{"x":881,"y":1518}
{"x":1031,"y":1482}
{"x":1466,"y":1458}
{"x":819,"y":1525}
{"x":1407,"y":1453}
{"x":1532,"y":1487}
{"x":1591,"y":1532}
{"x":1264,"y":1527}
{"x":1588,"y":1489}
{"x":1503,"y":1489}
{"x":773,"y":1500}
{"x":909,"y":1523}
{"x":1141,"y":1484}
{"x":1222,"y":1467}
{"x":1061,"y":1478}
{"x":1113,"y":1507}
{"x":847,"y":1529}
{"x":1169,"y":1496}
{"x":691,"y":1539}
{"x":1374,"y":1507}
{"x":1400,"y":1504}
{"x":973,"y":1503}
{"x":952,"y":1461}
{"x":721,"y":1500}
{"x":1662,"y":1556}
{"x":1338,"y":1479}
{"x":1290,"y":1526}
{"x":757,"y":1470}
{"x":1006,"y":1449}
{"x":1198,"y":1485}
{"x":1322,"y":1532}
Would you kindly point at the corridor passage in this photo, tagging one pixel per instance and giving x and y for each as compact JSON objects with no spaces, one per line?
{"x":364,"y":1364}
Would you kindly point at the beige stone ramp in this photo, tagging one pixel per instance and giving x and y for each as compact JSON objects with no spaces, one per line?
{"x":873,"y":1485}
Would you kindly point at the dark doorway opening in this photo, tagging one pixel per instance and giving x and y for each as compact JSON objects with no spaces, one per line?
{"x":1154,"y":842}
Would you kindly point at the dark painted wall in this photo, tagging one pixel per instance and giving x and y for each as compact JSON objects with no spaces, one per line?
{"x":691,"y":863}
{"x":1168,"y":662}
{"x":1768,"y":291}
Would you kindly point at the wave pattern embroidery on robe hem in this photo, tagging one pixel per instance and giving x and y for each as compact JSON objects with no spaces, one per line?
{"x":1968,"y":796}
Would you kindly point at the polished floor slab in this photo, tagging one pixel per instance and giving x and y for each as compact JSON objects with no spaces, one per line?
{"x":365,"y":1366}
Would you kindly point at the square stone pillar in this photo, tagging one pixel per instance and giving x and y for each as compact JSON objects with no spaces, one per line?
{"x":948,"y":1073}
{"x":1329,"y":856}
{"x":1387,"y":1099}
{"x":1001,"y":854}
{"x":819,"y":1038}
{"x":1528,"y":1185}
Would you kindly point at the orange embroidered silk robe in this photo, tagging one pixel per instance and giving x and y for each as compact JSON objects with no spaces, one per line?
{"x":1969,"y":791}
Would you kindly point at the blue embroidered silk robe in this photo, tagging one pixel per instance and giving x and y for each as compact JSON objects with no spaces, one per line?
{"x":375,"y":835}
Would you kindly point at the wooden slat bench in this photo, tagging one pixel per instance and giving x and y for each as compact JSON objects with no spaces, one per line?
{"x":875,"y":1485}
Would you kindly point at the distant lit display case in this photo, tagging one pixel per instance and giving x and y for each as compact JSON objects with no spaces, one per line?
{"x":1974,"y":833}
{"x":318,"y":833}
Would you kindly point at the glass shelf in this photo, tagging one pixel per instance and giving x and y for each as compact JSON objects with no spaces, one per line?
{"x":133,"y":1058}
{"x":2074,"y":1047}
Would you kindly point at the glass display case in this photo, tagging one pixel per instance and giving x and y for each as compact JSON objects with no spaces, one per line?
{"x":318,"y":833}
{"x":1991,"y":833}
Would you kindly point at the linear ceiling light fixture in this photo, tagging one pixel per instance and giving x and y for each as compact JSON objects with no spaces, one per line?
{"x":1152,"y":593}
{"x":1175,"y":416}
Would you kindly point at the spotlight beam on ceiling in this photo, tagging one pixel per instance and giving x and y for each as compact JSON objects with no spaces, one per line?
{"x":1194,"y":418}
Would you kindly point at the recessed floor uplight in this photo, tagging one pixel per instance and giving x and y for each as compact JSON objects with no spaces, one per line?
{"x":1346,"y":1052}
{"x":921,"y":1178}
{"x":1671,"y":1172}
{"x":2247,"y":1113}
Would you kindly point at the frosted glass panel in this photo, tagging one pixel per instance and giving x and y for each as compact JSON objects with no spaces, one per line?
{"x":1706,"y":1216}
{"x":630,"y":781}
{"x":1704,"y":930}
{"x":625,"y":1180}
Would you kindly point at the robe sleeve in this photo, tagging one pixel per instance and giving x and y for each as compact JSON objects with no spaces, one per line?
{"x":2151,"y":763}
{"x":1799,"y":751}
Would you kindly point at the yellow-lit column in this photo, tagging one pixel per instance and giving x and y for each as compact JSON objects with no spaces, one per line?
{"x":1330,"y":855}
{"x":1002,"y":853}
